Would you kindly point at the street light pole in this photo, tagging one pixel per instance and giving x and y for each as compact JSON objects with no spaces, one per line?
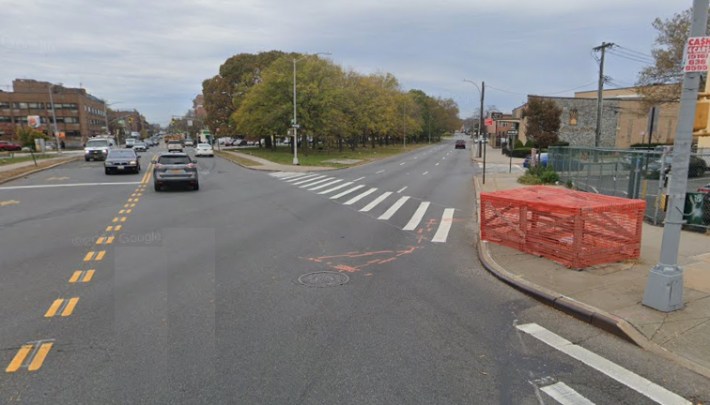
{"x":54,"y":119}
{"x":294,"y":124}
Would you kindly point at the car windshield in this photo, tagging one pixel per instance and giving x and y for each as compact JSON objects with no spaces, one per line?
{"x":118,"y":154}
{"x":96,"y":143}
{"x":174,"y":160}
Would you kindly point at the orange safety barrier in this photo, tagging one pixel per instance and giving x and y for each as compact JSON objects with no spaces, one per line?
{"x":574,"y":228}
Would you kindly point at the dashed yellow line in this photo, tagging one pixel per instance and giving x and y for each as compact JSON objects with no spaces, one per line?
{"x":133,"y":205}
{"x":88,"y":276}
{"x":40,"y":356}
{"x":109,"y":240}
{"x":128,"y":211}
{"x":122,"y":212}
{"x":100,"y":240}
{"x":117,"y":227}
{"x":75,"y":277}
{"x":69,"y":308}
{"x":109,"y":228}
{"x":54,"y":308}
{"x":115,"y":219}
{"x":89,"y":256}
{"x":126,"y":205}
{"x":100,"y":255}
{"x":123,"y":219}
{"x":19,"y":358}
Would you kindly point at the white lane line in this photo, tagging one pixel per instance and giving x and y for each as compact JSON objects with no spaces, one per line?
{"x":630,"y":379}
{"x":360,"y":196}
{"x":394,"y":208}
{"x":425,"y":173}
{"x":374,"y":203}
{"x":306,"y":181}
{"x":324,"y":185}
{"x":444,"y":158}
{"x":401,"y":189}
{"x":565,"y":395}
{"x":313,"y":183}
{"x":379,"y":172}
{"x":436,"y":164}
{"x":346,"y":192}
{"x":402,"y":163}
{"x":417,"y":217}
{"x":358,"y":179}
{"x":338,"y":187}
{"x":444,"y":227}
{"x":118,"y":183}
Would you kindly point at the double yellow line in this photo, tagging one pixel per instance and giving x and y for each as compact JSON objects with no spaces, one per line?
{"x":148,"y":174}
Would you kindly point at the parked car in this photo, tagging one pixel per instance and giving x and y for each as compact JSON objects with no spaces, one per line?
{"x":96,"y":149}
{"x":704,"y":189}
{"x":122,"y":161}
{"x":140,"y":147}
{"x":204,"y":149}
{"x":175,"y":168}
{"x":696,"y":166}
{"x":9,"y":146}
{"x":460,"y":144}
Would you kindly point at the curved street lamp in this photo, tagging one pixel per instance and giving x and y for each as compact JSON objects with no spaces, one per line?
{"x":294,"y":122}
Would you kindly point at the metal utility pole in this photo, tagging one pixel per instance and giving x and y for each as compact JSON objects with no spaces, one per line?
{"x":294,"y":125}
{"x":664,"y":287}
{"x":54,"y":119}
{"x":600,"y":89}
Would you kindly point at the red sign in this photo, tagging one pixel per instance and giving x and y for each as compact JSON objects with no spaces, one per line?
{"x":488,"y":122}
{"x":696,"y":54}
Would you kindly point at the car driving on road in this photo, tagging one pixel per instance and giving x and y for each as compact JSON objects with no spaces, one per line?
{"x":175,"y":169}
{"x":122,"y":161}
{"x":460,"y":144}
{"x":204,"y":149}
{"x":96,"y":149}
{"x":140,"y":147}
{"x":175,"y":146}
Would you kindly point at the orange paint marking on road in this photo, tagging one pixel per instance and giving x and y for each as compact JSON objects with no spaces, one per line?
{"x":335,"y":261}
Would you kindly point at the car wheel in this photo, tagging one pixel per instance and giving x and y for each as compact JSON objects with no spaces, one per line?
{"x":196,"y":186}
{"x":138,"y":169}
{"x":107,"y":171}
{"x":86,"y":159}
{"x":156,"y":186}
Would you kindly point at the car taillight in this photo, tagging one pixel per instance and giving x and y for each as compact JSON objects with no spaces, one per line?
{"x":158,"y":165}
{"x":191,"y":166}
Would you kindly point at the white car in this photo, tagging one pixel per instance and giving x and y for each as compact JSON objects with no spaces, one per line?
{"x":204,"y":149}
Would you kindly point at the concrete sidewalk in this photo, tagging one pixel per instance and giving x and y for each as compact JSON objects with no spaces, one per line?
{"x":58,"y":158}
{"x":610,"y":295}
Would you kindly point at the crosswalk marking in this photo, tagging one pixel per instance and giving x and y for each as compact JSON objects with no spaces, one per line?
{"x":632,"y":380}
{"x":324,"y":185}
{"x":301,"y":181}
{"x":338,"y":187}
{"x":346,"y":192}
{"x":417,"y":217}
{"x":444,"y":227}
{"x":393,"y":209}
{"x":360,"y":196}
{"x":376,"y":202}
{"x":308,"y":184}
{"x":300,"y":177}
{"x":565,"y":395}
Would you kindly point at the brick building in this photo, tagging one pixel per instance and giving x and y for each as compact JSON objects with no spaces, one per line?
{"x":78,"y":114}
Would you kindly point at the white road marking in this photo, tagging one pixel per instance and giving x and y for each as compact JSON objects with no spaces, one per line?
{"x":417,"y":217}
{"x":306,"y":181}
{"x":313,"y":183}
{"x":425,"y":173}
{"x":401,"y":189}
{"x":444,"y":227}
{"x":300,"y":177}
{"x":374,"y":203}
{"x":338,"y":187}
{"x":360,"y":196}
{"x":565,"y":395}
{"x":402,"y":163}
{"x":632,"y":380}
{"x":324,"y":185}
{"x":436,"y":164}
{"x":358,"y":179}
{"x":393,"y":209}
{"x":346,"y":192}
{"x":379,"y":172}
{"x":286,"y":175}
{"x":118,"y":183}
{"x":444,"y":158}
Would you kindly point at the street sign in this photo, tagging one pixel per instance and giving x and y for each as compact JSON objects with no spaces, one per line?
{"x":296,"y":126}
{"x":496,"y":115}
{"x":513,"y":132}
{"x":488,"y":121}
{"x":696,"y":54}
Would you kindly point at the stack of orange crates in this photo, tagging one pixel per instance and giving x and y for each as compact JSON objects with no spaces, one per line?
{"x":574,"y":228}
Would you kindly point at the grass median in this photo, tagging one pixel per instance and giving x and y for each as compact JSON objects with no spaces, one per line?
{"x":10,"y":159}
{"x":329,"y":158}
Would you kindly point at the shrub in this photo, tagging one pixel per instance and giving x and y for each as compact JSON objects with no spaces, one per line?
{"x":521,"y":152}
{"x":529,"y":179}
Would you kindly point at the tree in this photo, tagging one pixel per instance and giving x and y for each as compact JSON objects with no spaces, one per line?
{"x":543,"y":121}
{"x":661,"y":82}
{"x":27,"y":135}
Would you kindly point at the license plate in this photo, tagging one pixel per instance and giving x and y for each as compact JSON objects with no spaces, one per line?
{"x":120,"y":167}
{"x":175,"y":171}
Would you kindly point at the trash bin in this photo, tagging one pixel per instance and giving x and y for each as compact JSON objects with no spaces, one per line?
{"x":694,"y":211}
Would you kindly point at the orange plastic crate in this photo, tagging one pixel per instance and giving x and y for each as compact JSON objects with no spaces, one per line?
{"x":574,"y":228}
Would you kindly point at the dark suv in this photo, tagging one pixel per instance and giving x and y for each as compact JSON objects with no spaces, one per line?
{"x":175,"y":168}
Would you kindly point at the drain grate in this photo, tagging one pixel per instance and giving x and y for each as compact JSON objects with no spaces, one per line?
{"x":323,"y":279}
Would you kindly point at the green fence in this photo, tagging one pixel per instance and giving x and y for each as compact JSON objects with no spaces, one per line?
{"x":634,"y":173}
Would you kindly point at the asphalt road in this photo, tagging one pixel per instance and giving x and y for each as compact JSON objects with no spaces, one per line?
{"x":197,"y":297}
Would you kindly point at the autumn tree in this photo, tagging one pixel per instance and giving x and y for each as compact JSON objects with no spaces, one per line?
{"x":543,"y":121}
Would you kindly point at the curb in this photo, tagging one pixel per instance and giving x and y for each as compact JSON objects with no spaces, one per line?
{"x":587,"y":313}
{"x":267,"y":168}
{"x":40,"y":169}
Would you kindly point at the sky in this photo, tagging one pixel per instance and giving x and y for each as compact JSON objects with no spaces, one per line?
{"x":153,"y":55}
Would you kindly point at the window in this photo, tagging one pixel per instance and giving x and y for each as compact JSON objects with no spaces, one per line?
{"x":5,"y":119}
{"x":573,"y":116}
{"x":71,"y":120}
{"x":35,"y":106}
{"x":22,"y":106}
{"x":4,"y":104}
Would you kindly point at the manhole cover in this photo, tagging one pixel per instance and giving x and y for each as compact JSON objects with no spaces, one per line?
{"x":323,"y":279}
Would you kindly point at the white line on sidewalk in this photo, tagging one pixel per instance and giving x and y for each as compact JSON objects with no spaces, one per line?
{"x":374,"y":203}
{"x":417,"y":217}
{"x":324,"y":185}
{"x":346,"y":192}
{"x":599,"y":363}
{"x":306,"y":181}
{"x":565,"y":395}
{"x":444,"y":227}
{"x":338,"y":187}
{"x":401,"y":189}
{"x":393,"y":209}
{"x":360,"y":196}
{"x":313,"y":183}
{"x":358,"y":179}
{"x":117,"y":183}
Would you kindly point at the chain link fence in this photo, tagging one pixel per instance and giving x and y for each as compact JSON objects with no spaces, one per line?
{"x":637,"y":173}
